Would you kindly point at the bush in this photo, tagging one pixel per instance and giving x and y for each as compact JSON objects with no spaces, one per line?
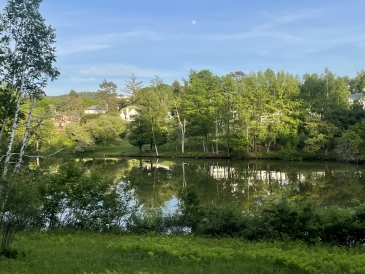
{"x":224,"y":220}
{"x":276,"y":221}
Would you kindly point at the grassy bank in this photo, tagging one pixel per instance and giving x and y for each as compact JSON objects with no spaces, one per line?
{"x":83,"y":252}
{"x":193,"y":150}
{"x":124,"y":149}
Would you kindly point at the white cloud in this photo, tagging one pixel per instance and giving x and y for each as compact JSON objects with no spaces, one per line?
{"x":123,"y":70}
{"x":103,"y":41}
{"x":250,"y":34}
{"x":82,"y":79}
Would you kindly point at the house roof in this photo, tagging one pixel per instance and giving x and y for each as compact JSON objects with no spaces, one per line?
{"x":356,"y":96}
{"x":130,"y":108}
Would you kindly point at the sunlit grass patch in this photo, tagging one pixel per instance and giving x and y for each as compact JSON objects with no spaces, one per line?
{"x":82,"y":252}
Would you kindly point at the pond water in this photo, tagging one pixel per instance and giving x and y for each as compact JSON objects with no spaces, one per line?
{"x":156,"y":183}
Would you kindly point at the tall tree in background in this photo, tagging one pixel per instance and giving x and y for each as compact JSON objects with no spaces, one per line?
{"x":153,"y":103}
{"x":72,"y":102}
{"x":27,"y":66}
{"x":200,"y":102}
{"x":176,"y":88}
{"x":227,"y":111}
{"x":106,"y":97}
{"x":325,"y":93}
{"x":132,"y":85}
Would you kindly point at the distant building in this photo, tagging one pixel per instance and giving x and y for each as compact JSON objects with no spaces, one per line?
{"x":128,"y":113}
{"x":357,"y":97}
{"x":123,"y":97}
{"x":94,"y":110}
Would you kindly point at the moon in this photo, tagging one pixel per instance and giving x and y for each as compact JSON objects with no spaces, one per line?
{"x":193,"y":22}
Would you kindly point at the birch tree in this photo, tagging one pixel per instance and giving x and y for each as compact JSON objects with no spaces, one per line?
{"x":28,"y":66}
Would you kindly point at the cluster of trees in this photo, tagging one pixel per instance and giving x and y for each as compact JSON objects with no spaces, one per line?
{"x":248,"y":112}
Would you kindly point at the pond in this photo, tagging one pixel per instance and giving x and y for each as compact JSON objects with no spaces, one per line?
{"x":156,"y":183}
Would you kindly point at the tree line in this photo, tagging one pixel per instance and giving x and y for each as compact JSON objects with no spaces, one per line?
{"x":251,"y":112}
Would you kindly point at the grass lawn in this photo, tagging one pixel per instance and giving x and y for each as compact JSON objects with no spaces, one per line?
{"x":98,"y":253}
{"x":126,"y":149}
{"x":85,"y":252}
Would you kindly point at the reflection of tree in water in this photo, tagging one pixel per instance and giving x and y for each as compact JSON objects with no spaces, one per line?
{"x":336,"y":187}
{"x":248,"y":185}
{"x":153,"y":186}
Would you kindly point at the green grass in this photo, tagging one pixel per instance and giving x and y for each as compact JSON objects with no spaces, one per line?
{"x":126,"y":149}
{"x":81,"y":252}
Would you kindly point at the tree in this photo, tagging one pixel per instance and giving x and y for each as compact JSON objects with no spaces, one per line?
{"x":227,"y":118}
{"x":200,"y":100}
{"x":132,"y":85}
{"x":72,"y":103}
{"x":96,"y":130}
{"x":324,"y":94}
{"x":27,"y":67}
{"x":320,"y":134}
{"x":106,"y":97}
{"x":176,"y":88}
{"x":136,"y":134}
{"x":153,"y":103}
{"x":360,"y":81}
{"x":351,"y":146}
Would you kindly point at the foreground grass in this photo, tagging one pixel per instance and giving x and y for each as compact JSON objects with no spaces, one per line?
{"x":81,"y":252}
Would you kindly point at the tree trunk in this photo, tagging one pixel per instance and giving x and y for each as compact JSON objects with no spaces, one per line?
{"x":227,"y":143}
{"x":25,"y":140}
{"x":255,"y":144}
{"x":184,"y":177}
{"x":13,"y":128}
{"x":156,"y":149}
{"x":216,"y":137}
{"x":268,"y":147}
{"x":182,"y":129}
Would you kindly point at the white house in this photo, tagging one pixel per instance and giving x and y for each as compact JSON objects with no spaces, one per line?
{"x":128,"y":113}
{"x":357,"y":97}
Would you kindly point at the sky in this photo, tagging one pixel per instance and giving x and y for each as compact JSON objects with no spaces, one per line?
{"x":113,"y":39}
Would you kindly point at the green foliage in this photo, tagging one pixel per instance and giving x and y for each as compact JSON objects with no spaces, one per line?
{"x":290,"y":153}
{"x":275,"y":221}
{"x":320,"y":134}
{"x":96,"y":130}
{"x":150,"y":125}
{"x":71,"y":197}
{"x":106,"y":97}
{"x":351,"y":146}
{"x":19,"y":208}
{"x":72,"y":252}
{"x":324,"y":94}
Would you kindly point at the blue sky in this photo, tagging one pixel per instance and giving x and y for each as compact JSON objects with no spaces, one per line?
{"x":112,"y":39}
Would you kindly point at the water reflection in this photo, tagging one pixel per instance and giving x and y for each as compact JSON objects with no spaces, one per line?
{"x":246,"y":184}
{"x":156,"y":183}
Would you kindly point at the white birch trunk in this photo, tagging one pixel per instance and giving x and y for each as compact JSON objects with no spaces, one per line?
{"x":13,"y":128}
{"x":183,"y":130}
{"x":25,"y":137}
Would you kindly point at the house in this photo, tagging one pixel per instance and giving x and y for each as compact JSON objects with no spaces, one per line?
{"x":123,"y":97}
{"x":94,"y":110}
{"x":356,"y":97}
{"x":128,"y":113}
